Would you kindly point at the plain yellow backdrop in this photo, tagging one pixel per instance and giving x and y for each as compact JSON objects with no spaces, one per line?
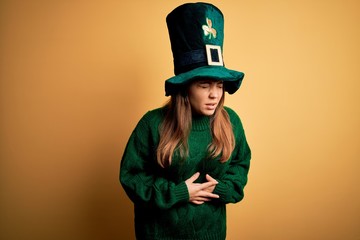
{"x":76,"y":76}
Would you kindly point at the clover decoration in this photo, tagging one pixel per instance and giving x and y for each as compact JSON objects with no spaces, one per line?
{"x":208,"y":30}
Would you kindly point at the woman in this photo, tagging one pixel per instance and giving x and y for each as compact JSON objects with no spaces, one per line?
{"x":185,"y":161}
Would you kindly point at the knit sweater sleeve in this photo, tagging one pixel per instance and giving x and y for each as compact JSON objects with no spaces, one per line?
{"x":231,"y":185}
{"x":140,"y":175}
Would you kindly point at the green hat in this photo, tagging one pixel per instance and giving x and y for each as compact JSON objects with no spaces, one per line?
{"x":196,"y":33}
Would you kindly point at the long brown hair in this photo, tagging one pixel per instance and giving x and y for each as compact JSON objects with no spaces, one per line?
{"x":175,"y":129}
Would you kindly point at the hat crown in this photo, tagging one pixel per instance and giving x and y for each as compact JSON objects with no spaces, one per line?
{"x":191,"y":27}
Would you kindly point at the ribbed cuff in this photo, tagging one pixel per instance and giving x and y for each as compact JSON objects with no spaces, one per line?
{"x":181,"y":192}
{"x":222,"y":190}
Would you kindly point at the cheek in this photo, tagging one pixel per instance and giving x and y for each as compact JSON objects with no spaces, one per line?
{"x":220,"y":92}
{"x":194,"y":101}
{"x":198,"y":99}
{"x":194,"y":96}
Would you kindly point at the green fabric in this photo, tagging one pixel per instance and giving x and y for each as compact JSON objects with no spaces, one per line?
{"x":229,"y":77}
{"x":160,"y":196}
{"x":185,"y":26}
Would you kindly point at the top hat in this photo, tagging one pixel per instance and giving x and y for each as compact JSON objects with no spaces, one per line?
{"x":196,"y":33}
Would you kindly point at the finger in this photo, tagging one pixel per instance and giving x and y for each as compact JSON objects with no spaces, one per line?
{"x":210,"y":189}
{"x":197,"y":202}
{"x":206,"y":194}
{"x":208,"y":184}
{"x":210,"y":179}
{"x":202,"y":199}
{"x":194,"y":177}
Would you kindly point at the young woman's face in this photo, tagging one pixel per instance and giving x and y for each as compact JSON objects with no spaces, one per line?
{"x":204,"y":96}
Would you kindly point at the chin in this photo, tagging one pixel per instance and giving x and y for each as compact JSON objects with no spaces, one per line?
{"x":208,"y":113}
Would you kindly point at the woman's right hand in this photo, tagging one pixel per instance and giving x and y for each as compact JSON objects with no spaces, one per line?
{"x":198,"y":191}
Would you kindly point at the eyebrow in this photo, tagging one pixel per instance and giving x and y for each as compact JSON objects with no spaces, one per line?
{"x":210,"y":81}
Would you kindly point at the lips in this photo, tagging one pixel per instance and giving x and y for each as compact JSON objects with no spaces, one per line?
{"x":211,"y":106}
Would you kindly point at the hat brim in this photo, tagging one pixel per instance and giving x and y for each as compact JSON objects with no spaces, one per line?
{"x":232,"y":79}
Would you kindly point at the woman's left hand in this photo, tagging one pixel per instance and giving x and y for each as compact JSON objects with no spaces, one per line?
{"x":210,"y":179}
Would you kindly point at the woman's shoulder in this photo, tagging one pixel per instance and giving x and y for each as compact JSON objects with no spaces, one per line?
{"x":152,"y":117}
{"x":149,"y":122}
{"x":234,"y":117}
{"x":154,"y":114}
{"x":232,"y":113}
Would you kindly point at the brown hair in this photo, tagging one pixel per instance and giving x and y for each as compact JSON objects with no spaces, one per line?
{"x":176,"y":127}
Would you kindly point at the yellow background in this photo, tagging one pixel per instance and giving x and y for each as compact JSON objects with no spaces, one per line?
{"x":76,"y":76}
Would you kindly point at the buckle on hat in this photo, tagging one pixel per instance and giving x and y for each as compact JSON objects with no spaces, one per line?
{"x":214,"y":55}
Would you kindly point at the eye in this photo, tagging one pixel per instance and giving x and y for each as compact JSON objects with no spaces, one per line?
{"x":220,"y":85}
{"x":204,"y":84}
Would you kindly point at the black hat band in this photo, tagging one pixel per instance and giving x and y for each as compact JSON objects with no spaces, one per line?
{"x":200,"y":57}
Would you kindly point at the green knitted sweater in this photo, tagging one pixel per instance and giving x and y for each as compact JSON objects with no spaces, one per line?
{"x":160,"y":195}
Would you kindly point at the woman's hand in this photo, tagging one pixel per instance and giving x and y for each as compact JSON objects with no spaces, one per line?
{"x":201,"y":192}
{"x":210,"y":179}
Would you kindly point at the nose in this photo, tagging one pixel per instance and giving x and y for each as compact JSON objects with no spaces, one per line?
{"x":215,"y":92}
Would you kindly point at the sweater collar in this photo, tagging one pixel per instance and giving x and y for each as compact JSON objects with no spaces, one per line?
{"x":200,"y":123}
